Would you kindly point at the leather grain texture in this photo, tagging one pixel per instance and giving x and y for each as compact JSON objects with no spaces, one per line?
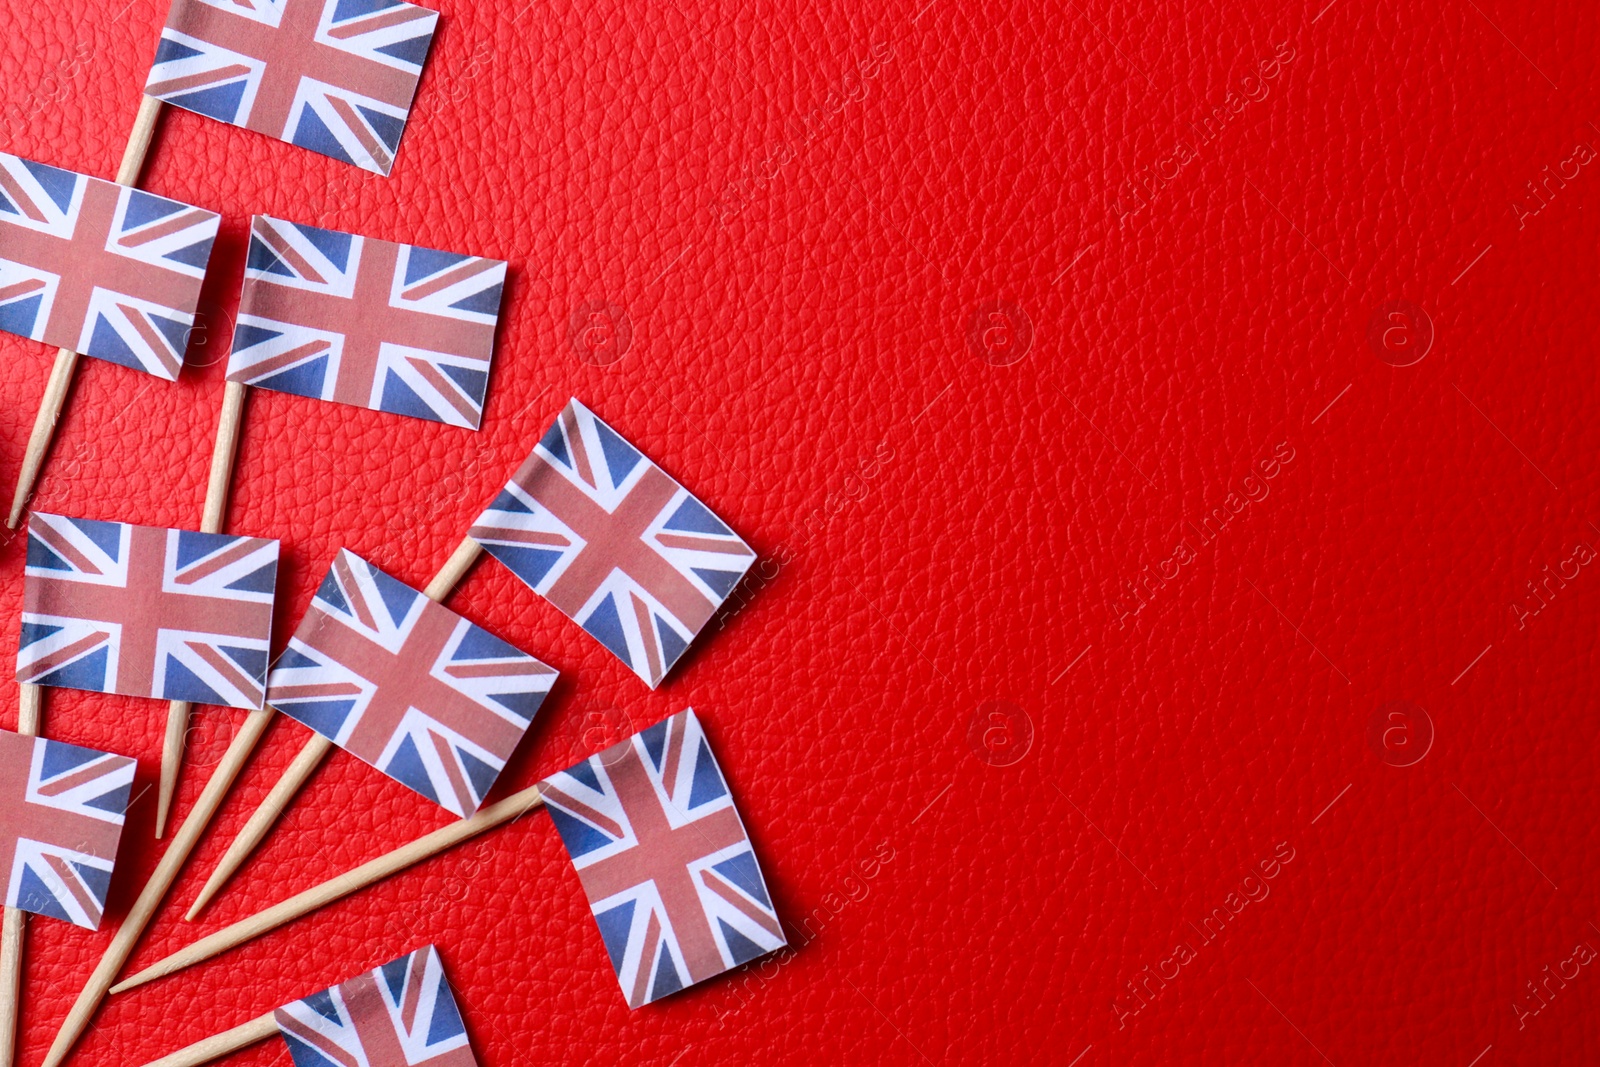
{"x":1061,"y":363}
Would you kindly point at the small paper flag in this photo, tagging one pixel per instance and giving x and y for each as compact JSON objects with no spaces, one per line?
{"x":607,"y":537}
{"x":664,"y":860}
{"x":61,"y":814}
{"x":379,"y":325}
{"x":334,"y":76}
{"x":408,"y":685}
{"x":146,"y":611}
{"x":402,"y":1014}
{"x":100,"y":268}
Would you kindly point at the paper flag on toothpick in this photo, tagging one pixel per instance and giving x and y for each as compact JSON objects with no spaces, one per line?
{"x":334,"y":76}
{"x":379,"y":325}
{"x":606,"y":536}
{"x":146,"y":611}
{"x":408,"y":685}
{"x":100,"y":268}
{"x":63,"y":809}
{"x":664,"y":860}
{"x":402,"y":1014}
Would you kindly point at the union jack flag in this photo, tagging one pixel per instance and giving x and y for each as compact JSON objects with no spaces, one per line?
{"x":408,"y":685}
{"x":603,"y":534}
{"x":145,"y":611}
{"x":379,"y":325}
{"x":100,"y":268}
{"x":334,"y":76}
{"x":61,"y":814}
{"x":664,"y":860}
{"x":402,"y":1014}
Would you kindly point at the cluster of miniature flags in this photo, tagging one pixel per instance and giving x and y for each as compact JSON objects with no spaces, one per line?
{"x":429,"y":698}
{"x":377,"y":668}
{"x":115,"y":273}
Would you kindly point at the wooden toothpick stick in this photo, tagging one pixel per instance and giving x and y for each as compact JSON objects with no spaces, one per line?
{"x":216,"y":508}
{"x":44,"y":429}
{"x":316,"y":749}
{"x":30,"y":709}
{"x":55,"y":390}
{"x":16,"y":923}
{"x":455,"y":568}
{"x":144,"y":128}
{"x":337,"y":888}
{"x":29,"y":703}
{"x":214,"y":1048}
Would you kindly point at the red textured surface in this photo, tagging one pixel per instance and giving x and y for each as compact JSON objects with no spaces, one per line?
{"x":940,"y":532}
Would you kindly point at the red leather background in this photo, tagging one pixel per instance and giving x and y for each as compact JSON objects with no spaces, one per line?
{"x":937,"y":531}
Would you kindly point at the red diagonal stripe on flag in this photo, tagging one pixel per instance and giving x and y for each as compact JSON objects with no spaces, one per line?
{"x":154,"y":338}
{"x":721,"y":888}
{"x":181,"y":221}
{"x":358,"y":126}
{"x":647,"y":960}
{"x":286,"y":252}
{"x":674,"y":749}
{"x":396,"y":16}
{"x":408,"y":1007}
{"x":21,"y":288}
{"x":461,"y":273}
{"x":47,"y":533}
{"x":315,"y":1040}
{"x":74,"y":885}
{"x":325,"y":689}
{"x":294,"y":355}
{"x":223,"y":666}
{"x":178,"y":85}
{"x":18,"y":197}
{"x":582,"y":810}
{"x":496,"y":669}
{"x":702,"y":544}
{"x":444,"y":386}
{"x":647,"y":637}
{"x":458,"y":784}
{"x":42,"y":667}
{"x":74,"y":780}
{"x":576,"y":447}
{"x":531,"y":537}
{"x":206,"y":568}
{"x":353,"y":594}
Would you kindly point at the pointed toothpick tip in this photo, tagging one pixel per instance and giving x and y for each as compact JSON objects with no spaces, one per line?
{"x":134,"y":981}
